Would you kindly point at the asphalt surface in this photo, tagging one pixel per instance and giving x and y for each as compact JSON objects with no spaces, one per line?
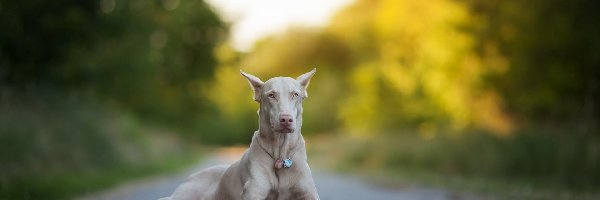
{"x":331,"y":186}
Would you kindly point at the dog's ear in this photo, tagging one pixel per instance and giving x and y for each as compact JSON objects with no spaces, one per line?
{"x":256,"y":84}
{"x":304,"y":80}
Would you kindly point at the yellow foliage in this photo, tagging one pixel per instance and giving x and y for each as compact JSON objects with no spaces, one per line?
{"x":392,"y":63}
{"x":419,"y":46}
{"x":230,"y":92}
{"x":360,"y":112}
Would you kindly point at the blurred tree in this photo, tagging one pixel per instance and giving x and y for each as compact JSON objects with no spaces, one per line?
{"x":442,"y":65}
{"x":72,"y":72}
{"x":148,"y":56}
{"x":37,"y":36}
{"x":380,"y":69}
{"x":418,"y":68}
{"x":553,"y":53}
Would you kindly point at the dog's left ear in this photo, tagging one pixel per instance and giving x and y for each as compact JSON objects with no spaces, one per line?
{"x":304,"y":80}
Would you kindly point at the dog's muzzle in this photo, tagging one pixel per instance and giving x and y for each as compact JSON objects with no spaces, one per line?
{"x":286,"y":123}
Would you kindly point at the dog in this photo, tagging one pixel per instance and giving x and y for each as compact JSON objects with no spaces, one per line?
{"x":275,"y":165}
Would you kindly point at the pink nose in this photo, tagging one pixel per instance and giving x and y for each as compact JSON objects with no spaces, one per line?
{"x":285,"y":119}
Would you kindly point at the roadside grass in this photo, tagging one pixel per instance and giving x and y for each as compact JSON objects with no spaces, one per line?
{"x":526,"y":165}
{"x":58,"y":147}
{"x":67,"y":185}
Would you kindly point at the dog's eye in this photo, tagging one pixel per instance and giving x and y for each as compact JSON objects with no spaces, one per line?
{"x":296,"y":94}
{"x":271,"y":95}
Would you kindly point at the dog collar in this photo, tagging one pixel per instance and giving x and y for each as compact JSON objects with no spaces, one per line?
{"x":287,"y":163}
{"x":279,"y":163}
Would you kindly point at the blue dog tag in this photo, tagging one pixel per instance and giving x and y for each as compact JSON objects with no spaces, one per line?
{"x":287,"y":163}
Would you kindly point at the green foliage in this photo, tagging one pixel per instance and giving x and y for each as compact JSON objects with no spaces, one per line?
{"x":540,"y":160}
{"x":454,"y":65}
{"x":147,"y":56}
{"x":80,"y":82}
{"x":71,"y":184}
{"x":551,"y":47}
{"x":53,"y":147}
{"x":37,"y":36}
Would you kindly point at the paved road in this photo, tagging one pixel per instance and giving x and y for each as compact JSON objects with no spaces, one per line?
{"x":331,"y":186}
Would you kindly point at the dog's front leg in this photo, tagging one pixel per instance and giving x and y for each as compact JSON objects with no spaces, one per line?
{"x":305,"y":191}
{"x":256,"y":188}
{"x":305,"y":188}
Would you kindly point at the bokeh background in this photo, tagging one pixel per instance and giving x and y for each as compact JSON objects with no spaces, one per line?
{"x":497,"y":94}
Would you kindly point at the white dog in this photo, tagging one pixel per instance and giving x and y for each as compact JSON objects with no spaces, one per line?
{"x":274,"y":166}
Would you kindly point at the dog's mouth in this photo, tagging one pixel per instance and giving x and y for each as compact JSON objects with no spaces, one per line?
{"x":285,"y":130}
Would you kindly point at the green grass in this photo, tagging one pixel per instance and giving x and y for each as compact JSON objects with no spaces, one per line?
{"x":526,"y":165}
{"x":66,"y":185}
{"x":59,"y":146}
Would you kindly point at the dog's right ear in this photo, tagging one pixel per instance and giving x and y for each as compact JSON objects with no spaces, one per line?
{"x":256,"y":84}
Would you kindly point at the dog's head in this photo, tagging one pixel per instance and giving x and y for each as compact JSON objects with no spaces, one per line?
{"x":280,"y":100}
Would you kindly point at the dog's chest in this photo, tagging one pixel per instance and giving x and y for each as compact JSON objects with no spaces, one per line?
{"x":282,"y":183}
{"x":281,"y":194}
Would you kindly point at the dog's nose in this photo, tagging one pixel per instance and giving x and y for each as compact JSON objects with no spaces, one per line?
{"x":286,"y":119}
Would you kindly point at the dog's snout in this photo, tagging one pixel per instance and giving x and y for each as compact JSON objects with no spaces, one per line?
{"x":286,"y":119}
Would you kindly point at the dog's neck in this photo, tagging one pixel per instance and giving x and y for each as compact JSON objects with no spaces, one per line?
{"x":278,"y":145}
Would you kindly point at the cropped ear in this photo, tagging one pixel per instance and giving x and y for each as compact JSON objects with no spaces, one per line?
{"x":304,"y":80}
{"x":256,"y":84}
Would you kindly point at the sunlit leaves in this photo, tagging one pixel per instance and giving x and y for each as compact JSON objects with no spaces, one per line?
{"x":437,"y":66}
{"x":362,"y":112}
{"x":422,"y":50}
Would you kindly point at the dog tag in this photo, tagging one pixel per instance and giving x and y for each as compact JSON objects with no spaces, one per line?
{"x":287,"y":163}
{"x":278,"y":164}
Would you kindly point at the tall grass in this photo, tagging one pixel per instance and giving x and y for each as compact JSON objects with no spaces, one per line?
{"x":54,"y":146}
{"x":540,"y":159}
